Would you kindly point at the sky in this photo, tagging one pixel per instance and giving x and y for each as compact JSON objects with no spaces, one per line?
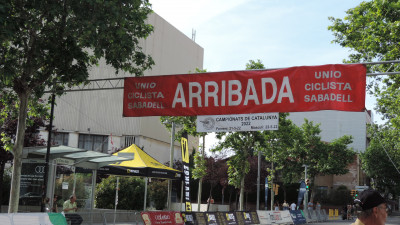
{"x":280,"y":33}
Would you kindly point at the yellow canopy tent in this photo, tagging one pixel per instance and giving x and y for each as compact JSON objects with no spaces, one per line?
{"x":142,"y":165}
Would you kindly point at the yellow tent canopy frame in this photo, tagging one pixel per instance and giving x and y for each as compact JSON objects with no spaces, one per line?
{"x":141,"y":164}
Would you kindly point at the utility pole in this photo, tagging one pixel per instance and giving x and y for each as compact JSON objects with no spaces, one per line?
{"x":272,"y":186}
{"x":171,"y":164}
{"x":305,"y":194}
{"x":201,"y":179}
{"x":258,"y":180}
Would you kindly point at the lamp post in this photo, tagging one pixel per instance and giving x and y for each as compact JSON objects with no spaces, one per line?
{"x":305,"y":194}
{"x":171,"y":163}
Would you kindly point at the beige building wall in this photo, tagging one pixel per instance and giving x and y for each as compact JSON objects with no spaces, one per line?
{"x":100,"y":112}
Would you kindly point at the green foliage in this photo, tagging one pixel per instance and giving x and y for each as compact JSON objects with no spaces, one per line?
{"x":243,"y":145}
{"x":200,"y":167}
{"x":255,"y":65}
{"x":37,"y":117}
{"x":130,"y":194}
{"x":371,"y":31}
{"x":158,"y":193}
{"x":53,"y":44}
{"x":276,"y":149}
{"x":44,"y":42}
{"x":292,"y":147}
{"x":384,"y":145}
{"x":80,"y":191}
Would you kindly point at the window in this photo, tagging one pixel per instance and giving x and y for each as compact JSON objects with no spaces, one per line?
{"x":129,"y":140}
{"x":59,"y":138}
{"x":97,"y":143}
{"x":322,"y":192}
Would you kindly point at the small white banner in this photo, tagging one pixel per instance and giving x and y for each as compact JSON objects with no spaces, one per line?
{"x":65,"y":185}
{"x":238,"y":122}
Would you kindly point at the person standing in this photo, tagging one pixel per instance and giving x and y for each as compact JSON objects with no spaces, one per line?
{"x":374,"y":208}
{"x":55,"y":206}
{"x":293,"y":206}
{"x":310,"y":206}
{"x":276,"y":207}
{"x":46,"y":204}
{"x":70,"y":207}
{"x":318,"y":206}
{"x":285,"y":205}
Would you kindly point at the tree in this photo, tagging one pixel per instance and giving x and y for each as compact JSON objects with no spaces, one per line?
{"x":130,"y":194}
{"x":53,"y":44}
{"x":243,"y":144}
{"x":157,"y":190}
{"x":371,"y":32}
{"x":304,"y":147}
{"x":215,"y":173}
{"x":385,"y":170}
{"x":37,"y":115}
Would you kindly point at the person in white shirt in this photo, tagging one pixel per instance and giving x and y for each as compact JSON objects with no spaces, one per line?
{"x":293,"y":206}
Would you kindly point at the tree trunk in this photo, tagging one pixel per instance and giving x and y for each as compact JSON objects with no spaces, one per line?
{"x":2,"y":165}
{"x":236,"y":200}
{"x":199,"y":194}
{"x":247,"y":198}
{"x":17,"y":151}
{"x":209,"y":198}
{"x":241,"y":199}
{"x":223,"y":195}
{"x":230,"y":196}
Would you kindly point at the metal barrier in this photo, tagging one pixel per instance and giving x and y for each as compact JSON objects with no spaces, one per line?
{"x":88,"y":218}
{"x":131,"y":217}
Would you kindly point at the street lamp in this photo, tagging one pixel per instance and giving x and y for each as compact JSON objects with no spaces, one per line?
{"x":171,"y":159}
{"x":171,"y":163}
{"x":306,"y":194}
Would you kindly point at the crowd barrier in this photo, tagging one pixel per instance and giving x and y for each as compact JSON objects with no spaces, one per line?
{"x":32,"y":218}
{"x":228,"y":218}
{"x":103,"y":217}
{"x":92,"y":218}
{"x":333,"y":214}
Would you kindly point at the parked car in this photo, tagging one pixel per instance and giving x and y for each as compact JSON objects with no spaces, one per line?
{"x":30,"y":198}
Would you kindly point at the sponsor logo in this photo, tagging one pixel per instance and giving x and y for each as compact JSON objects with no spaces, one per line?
{"x":208,"y":123}
{"x":39,"y":169}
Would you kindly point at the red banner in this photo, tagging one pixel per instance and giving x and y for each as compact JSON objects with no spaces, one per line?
{"x":295,"y":89}
{"x":162,"y":218}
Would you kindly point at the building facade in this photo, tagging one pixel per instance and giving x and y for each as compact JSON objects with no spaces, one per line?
{"x":333,"y":125}
{"x":93,"y":120}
